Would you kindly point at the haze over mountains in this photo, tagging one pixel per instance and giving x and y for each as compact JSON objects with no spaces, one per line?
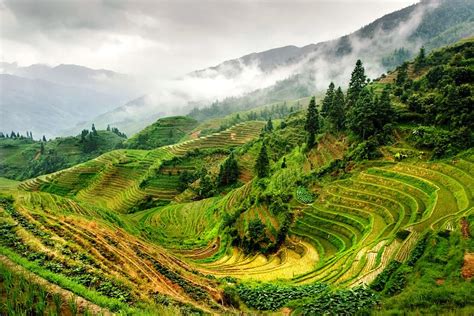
{"x":251,"y":80}
{"x":46,"y":100}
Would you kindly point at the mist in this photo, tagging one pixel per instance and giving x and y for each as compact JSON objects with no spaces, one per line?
{"x":237,"y":78}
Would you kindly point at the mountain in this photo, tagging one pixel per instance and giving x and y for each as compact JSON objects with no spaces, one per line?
{"x":47,"y":100}
{"x":100,"y":80}
{"x":373,"y":217}
{"x":129,"y":118}
{"x":258,"y":78}
{"x":431,"y":23}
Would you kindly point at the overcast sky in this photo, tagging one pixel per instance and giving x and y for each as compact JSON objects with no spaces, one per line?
{"x":169,"y":38}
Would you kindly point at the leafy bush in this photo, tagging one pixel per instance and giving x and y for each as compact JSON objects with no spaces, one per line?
{"x":342,"y":302}
{"x":304,"y":196}
{"x":365,"y":151}
{"x":273,"y":297}
{"x":381,"y":280}
{"x":443,"y":142}
{"x":397,"y":281}
{"x":418,"y":250}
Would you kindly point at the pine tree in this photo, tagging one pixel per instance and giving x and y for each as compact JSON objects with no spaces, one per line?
{"x":402,"y":75}
{"x":361,"y":116}
{"x":108,"y":128}
{"x":94,"y":131}
{"x":336,"y":114}
{"x":229,"y":171}
{"x":262,"y":165}
{"x":312,"y":122}
{"x":370,"y":114}
{"x":385,"y":112}
{"x":357,"y":83}
{"x":269,"y":126}
{"x":206,"y":187}
{"x":420,"y":60}
{"x":328,"y":100}
{"x":44,"y":138}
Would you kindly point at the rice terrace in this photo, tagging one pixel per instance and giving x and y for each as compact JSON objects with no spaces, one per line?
{"x":287,"y":200}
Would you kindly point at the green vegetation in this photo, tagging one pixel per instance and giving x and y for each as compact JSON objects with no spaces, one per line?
{"x":24,"y":158}
{"x":273,"y":296}
{"x":366,"y":208}
{"x":165,"y":131}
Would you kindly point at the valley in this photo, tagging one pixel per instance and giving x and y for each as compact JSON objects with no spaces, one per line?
{"x":355,"y":201}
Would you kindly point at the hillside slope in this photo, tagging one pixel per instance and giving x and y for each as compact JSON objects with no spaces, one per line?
{"x":290,"y":72}
{"x":352,"y":223}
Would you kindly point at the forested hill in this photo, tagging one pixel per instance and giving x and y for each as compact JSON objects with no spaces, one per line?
{"x":22,"y":157}
{"x":383,"y":44}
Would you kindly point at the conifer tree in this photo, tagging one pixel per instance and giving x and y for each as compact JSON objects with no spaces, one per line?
{"x":269,"y":126}
{"x":42,"y":148}
{"x":312,"y":122}
{"x":229,"y":171}
{"x":370,"y":114}
{"x":44,"y":138}
{"x":385,"y":112}
{"x":402,"y":74}
{"x":336,"y":114}
{"x":357,"y":83}
{"x":206,"y":187}
{"x":360,"y":117}
{"x":108,"y":127}
{"x":328,"y":100}
{"x":262,"y":165}
{"x":94,"y":131}
{"x":420,"y":60}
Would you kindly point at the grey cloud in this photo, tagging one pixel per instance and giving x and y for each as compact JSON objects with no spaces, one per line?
{"x":177,"y":36}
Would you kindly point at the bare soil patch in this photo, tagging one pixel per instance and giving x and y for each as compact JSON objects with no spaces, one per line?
{"x":467,"y":271}
{"x":465,"y":228}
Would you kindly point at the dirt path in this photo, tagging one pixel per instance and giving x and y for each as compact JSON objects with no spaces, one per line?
{"x":66,"y":295}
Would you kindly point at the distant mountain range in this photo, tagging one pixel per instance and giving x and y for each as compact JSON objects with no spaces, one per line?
{"x":293,"y":72}
{"x":46,"y":100}
{"x":265,"y":77}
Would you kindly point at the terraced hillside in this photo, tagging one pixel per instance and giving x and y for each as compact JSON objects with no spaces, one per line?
{"x":346,"y":237}
{"x":165,"y":131}
{"x":358,"y":225}
{"x":307,"y":228}
{"x":67,"y":225}
{"x":116,"y":180}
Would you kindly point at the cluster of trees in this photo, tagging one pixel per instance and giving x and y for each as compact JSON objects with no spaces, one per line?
{"x":276,"y":111}
{"x":361,"y":111}
{"x":116,"y":131}
{"x":17,"y":135}
{"x":89,"y":140}
{"x":396,"y":58}
{"x":294,"y":87}
{"x":209,"y":185}
{"x":229,"y":171}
